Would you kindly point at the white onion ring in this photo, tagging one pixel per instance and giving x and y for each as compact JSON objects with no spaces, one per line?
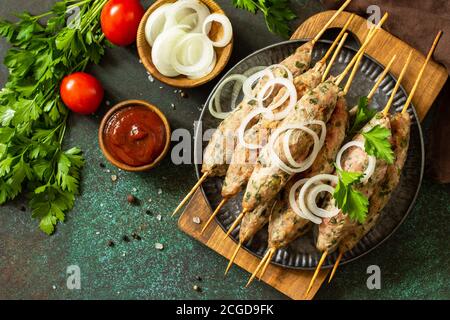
{"x":183,"y":6}
{"x":247,"y":87}
{"x":163,"y":46}
{"x":294,"y":205}
{"x":205,"y":61}
{"x":243,"y":126}
{"x":226,"y":25}
{"x":370,"y":166}
{"x":291,"y":94}
{"x":206,"y":71}
{"x":217,"y":113}
{"x":301,"y":197}
{"x":155,"y":23}
{"x":296,"y":167}
{"x":281,"y":66}
{"x":312,"y":204}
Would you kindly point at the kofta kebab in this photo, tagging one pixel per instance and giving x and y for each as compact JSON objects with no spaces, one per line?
{"x":217,"y":155}
{"x":302,"y":158}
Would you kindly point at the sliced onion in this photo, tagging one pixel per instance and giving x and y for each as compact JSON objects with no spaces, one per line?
{"x":370,"y":166}
{"x":291,"y":94}
{"x":301,"y":197}
{"x":294,"y":204}
{"x":191,"y":20}
{"x":281,"y":66}
{"x":247,"y":88}
{"x":226,"y":25}
{"x":201,"y":74}
{"x":296,"y":167}
{"x":253,"y":70}
{"x":183,"y":8}
{"x":203,"y":63}
{"x":243,"y":126}
{"x":217,"y":113}
{"x":311,"y":199}
{"x":162,"y":48}
{"x":155,"y":23}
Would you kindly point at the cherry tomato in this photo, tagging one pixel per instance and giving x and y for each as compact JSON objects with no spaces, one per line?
{"x":81,"y":92}
{"x":120,"y":21}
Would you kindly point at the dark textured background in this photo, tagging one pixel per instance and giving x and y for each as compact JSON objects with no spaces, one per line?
{"x":414,"y":262}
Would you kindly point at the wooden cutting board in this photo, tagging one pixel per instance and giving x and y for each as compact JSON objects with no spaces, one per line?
{"x":294,"y":283}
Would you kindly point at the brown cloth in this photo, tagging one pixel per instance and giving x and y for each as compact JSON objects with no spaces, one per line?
{"x":417,"y":22}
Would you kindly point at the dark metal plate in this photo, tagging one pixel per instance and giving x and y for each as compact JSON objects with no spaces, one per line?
{"x":301,"y":254}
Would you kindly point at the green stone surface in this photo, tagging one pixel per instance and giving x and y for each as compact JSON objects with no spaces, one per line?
{"x":414,"y":262}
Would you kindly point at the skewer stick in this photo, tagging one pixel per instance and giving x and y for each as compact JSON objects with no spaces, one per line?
{"x":336,"y":264}
{"x":333,"y":58}
{"x":352,"y":74}
{"x":260,"y":265}
{"x":397,"y":85}
{"x":325,"y":27}
{"x":272,"y":252}
{"x":189,"y":195}
{"x":221,"y":204}
{"x":235,"y":223}
{"x":419,"y":77}
{"x":230,"y":264}
{"x":380,"y":78}
{"x":362,"y":49}
{"x":337,"y":40}
{"x":313,"y":279}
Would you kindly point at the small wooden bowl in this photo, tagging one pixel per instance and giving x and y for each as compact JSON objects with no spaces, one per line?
{"x":144,"y":49}
{"x":117,"y":162}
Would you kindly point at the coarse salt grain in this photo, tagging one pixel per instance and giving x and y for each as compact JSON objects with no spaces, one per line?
{"x":159,"y":246}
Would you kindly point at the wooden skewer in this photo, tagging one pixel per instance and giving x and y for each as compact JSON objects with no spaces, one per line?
{"x":260,"y":265}
{"x":362,"y":49}
{"x":353,"y":74}
{"x":380,"y":78}
{"x":313,"y":279}
{"x":221,"y":204}
{"x":336,"y":264}
{"x":337,"y":40}
{"x":397,"y":85}
{"x":272,"y":252}
{"x":325,"y":27}
{"x":235,"y":223}
{"x":230,"y":264}
{"x":189,"y":195}
{"x":333,"y":58}
{"x":419,"y":77}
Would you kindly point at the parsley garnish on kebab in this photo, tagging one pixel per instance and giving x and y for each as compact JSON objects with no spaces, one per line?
{"x":377,"y":143}
{"x":363,"y":115}
{"x":277,"y":13}
{"x":349,"y":200}
{"x":33,"y":119}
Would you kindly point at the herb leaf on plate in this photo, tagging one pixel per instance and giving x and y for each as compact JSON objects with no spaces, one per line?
{"x":377,"y":143}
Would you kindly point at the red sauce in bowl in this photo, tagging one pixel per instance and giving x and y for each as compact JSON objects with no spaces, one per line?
{"x":135,"y":135}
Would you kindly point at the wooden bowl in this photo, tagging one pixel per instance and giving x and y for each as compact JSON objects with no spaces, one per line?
{"x":119,"y":163}
{"x":144,"y":49}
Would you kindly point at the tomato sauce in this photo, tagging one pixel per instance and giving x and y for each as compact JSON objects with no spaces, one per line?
{"x":135,"y":135}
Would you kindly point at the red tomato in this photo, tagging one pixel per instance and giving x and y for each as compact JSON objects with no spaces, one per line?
{"x":120,"y":21}
{"x":81,"y":92}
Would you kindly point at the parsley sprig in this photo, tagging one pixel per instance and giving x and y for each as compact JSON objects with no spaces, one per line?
{"x":277,"y":13}
{"x":33,"y":120}
{"x":377,"y":143}
{"x":349,"y":200}
{"x":363,"y":115}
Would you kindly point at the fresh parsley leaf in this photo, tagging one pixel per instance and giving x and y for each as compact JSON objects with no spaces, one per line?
{"x":277,"y":13}
{"x":377,"y":143}
{"x":363,"y":115}
{"x":349,"y":200}
{"x":33,"y":119}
